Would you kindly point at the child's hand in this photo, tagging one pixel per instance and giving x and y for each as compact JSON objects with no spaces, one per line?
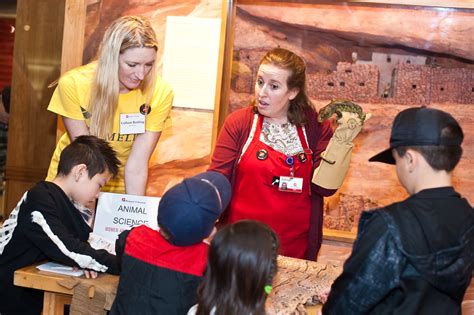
{"x":323,"y":296}
{"x":90,"y":274}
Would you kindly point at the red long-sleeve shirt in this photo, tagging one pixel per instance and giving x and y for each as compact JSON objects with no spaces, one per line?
{"x":229,"y":146}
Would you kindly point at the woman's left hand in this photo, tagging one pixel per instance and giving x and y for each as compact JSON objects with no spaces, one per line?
{"x":136,"y":169}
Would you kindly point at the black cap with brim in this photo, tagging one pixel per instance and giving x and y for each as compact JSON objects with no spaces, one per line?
{"x":384,"y":157}
{"x":419,"y":126}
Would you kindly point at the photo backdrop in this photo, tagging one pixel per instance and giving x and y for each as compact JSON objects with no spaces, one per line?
{"x":384,"y":57}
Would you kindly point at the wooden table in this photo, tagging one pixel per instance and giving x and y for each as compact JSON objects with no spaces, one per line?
{"x":55,"y":295}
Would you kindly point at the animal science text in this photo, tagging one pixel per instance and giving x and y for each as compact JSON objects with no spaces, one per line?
{"x":130,"y":221}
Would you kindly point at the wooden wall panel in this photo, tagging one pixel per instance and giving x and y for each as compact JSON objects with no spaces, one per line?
{"x":74,"y":28}
{"x":36,"y":63}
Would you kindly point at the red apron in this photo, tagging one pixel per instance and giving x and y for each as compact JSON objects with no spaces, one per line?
{"x":254,"y":197}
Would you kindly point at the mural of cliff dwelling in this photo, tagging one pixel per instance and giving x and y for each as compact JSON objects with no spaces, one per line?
{"x":384,"y":57}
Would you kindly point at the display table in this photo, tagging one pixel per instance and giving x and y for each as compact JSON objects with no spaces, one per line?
{"x":297,"y":284}
{"x":55,"y":294}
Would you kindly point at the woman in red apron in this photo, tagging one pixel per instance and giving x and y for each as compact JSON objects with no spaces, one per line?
{"x":263,"y":188}
{"x":269,"y":151}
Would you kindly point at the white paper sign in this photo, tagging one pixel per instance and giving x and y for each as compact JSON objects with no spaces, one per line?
{"x":118,"y":212}
{"x":190,"y":60}
{"x":99,"y":242}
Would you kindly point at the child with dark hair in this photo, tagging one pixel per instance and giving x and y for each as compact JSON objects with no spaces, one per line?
{"x":161,"y":270}
{"x":241,"y":266}
{"x":415,"y":256}
{"x":47,"y":224}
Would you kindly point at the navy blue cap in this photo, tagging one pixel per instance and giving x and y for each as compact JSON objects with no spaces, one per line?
{"x":188,"y":210}
{"x":419,"y":126}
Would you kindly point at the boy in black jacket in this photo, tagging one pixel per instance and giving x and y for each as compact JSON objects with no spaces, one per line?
{"x":50,"y":222}
{"x":415,"y":256}
{"x":162,"y":270}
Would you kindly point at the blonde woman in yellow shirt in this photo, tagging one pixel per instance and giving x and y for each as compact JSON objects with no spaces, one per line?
{"x":119,"y":98}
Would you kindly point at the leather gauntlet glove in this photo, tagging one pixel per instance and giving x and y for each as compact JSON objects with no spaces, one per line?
{"x":336,"y":158}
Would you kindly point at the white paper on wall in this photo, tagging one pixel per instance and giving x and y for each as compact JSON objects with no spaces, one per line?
{"x":190,"y":60}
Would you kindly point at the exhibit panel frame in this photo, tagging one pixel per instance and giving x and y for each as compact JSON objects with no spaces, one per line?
{"x":423,"y":72}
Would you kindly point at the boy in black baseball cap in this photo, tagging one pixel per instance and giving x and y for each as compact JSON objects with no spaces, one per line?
{"x":161,"y":270}
{"x":415,"y":256}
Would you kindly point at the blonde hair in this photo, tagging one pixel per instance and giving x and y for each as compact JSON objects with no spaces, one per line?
{"x":124,"y":33}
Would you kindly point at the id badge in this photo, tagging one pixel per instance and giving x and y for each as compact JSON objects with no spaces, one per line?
{"x":291,"y":184}
{"x":132,"y":123}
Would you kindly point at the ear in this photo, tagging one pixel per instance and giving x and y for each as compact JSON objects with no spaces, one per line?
{"x":293,"y":93}
{"x":411,"y":160}
{"x":79,"y":171}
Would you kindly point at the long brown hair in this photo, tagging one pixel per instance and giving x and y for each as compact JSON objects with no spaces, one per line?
{"x":124,"y":33}
{"x":288,"y":60}
{"x":242,"y":261}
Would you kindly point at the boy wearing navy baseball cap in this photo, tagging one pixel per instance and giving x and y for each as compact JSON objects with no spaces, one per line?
{"x":161,"y":270}
{"x":415,"y":256}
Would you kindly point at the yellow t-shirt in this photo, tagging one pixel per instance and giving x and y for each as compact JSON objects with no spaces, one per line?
{"x":71,"y":100}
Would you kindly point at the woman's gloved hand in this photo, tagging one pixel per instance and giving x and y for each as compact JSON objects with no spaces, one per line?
{"x":349,"y":126}
{"x":336,"y":158}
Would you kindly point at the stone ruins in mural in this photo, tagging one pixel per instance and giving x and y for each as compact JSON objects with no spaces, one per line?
{"x":361,"y":81}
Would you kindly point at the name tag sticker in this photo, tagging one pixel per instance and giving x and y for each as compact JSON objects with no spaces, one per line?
{"x":132,"y":123}
{"x":291,"y":184}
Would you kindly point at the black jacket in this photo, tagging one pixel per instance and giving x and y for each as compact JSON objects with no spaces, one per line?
{"x":157,"y":277}
{"x":45,"y":225}
{"x":412,"y":257}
